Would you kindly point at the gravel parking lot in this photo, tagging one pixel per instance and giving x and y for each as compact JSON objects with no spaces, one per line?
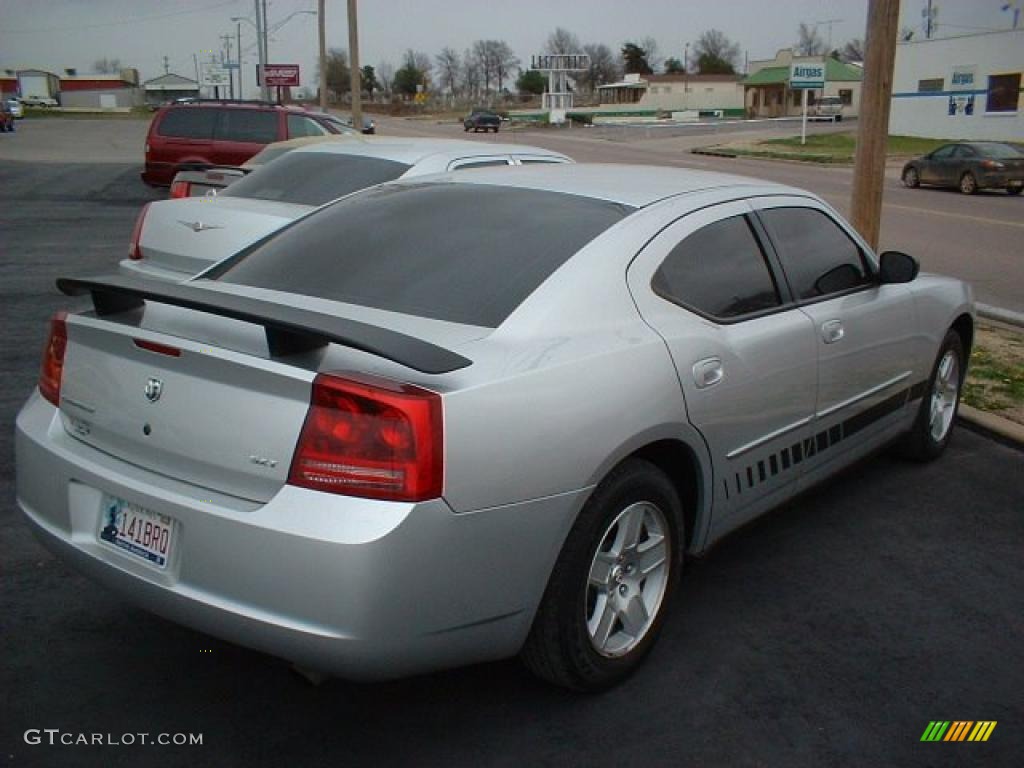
{"x":828,"y":633}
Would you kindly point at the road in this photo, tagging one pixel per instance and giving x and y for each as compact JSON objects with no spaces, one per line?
{"x":830,"y":632}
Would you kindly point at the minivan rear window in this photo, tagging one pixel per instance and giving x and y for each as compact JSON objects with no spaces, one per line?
{"x":188,"y":123}
{"x":465,"y":253}
{"x":314,"y":178}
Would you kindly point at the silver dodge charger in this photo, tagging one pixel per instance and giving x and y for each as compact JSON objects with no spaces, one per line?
{"x":453,"y":419}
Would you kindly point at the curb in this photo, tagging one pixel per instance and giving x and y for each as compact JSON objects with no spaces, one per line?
{"x":711,"y":151}
{"x":1002,"y":315}
{"x":991,"y":425}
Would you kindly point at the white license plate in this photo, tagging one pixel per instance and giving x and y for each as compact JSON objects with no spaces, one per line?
{"x":139,"y":531}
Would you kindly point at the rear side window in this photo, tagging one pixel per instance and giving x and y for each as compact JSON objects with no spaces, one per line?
{"x":818,"y":256}
{"x":188,"y":123}
{"x":456,"y":252}
{"x":314,"y":178}
{"x":719,"y":270}
{"x":247,"y":125}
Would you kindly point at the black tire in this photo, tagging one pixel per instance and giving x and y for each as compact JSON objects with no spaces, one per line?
{"x":920,"y":444}
{"x":968,"y":184}
{"x":495,"y":129}
{"x":559,"y":647}
{"x":465,"y":128}
{"x":911,"y":178}
{"x":1013,"y":191}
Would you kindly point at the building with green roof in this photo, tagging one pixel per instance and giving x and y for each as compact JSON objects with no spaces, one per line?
{"x":767,"y":92}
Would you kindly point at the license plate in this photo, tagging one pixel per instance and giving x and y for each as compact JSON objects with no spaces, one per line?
{"x":139,"y":531}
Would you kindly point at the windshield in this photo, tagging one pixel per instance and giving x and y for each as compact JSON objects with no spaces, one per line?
{"x":456,"y":252}
{"x":314,"y":178}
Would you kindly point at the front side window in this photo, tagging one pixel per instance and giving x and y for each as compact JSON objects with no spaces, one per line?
{"x":247,"y":125}
{"x":719,"y":270}
{"x":1003,"y":93}
{"x":820,"y":259}
{"x":298,"y":125}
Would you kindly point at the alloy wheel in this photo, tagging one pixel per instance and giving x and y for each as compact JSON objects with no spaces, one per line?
{"x":944,"y":396}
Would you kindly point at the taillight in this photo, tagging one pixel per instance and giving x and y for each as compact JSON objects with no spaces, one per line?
{"x":52,"y":369}
{"x":134,"y":250}
{"x":992,"y":165}
{"x":370,"y":437}
{"x":180,"y":189}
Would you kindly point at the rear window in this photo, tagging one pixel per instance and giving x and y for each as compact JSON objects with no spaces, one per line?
{"x":1003,"y":151}
{"x":465,"y":253}
{"x":252,"y":126}
{"x":314,"y":178}
{"x":188,"y":123}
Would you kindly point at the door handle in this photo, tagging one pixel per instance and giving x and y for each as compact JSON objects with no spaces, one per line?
{"x":832,"y":331}
{"x":708,"y":372}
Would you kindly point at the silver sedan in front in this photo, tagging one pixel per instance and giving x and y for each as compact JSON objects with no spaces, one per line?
{"x":454,"y":419}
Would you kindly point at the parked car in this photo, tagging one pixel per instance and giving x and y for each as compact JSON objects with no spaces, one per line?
{"x":969,"y":166}
{"x":14,"y":105}
{"x":175,"y":239}
{"x":481,"y":119}
{"x":827,"y":108}
{"x":39,"y":101}
{"x":210,"y":181}
{"x":6,"y":117}
{"x":201,"y":133}
{"x":369,"y":126}
{"x":452,"y":419}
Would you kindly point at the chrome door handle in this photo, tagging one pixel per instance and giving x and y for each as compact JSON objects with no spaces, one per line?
{"x":708,"y":372}
{"x":832,"y":331}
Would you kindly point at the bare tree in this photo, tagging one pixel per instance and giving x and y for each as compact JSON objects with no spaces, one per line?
{"x":852,"y":51}
{"x":505,"y":61}
{"x":385,"y":76}
{"x":562,"y":41}
{"x":423,"y":63}
{"x":809,"y":42}
{"x":471,"y":73}
{"x":604,"y":67}
{"x":484,"y":56}
{"x":107,"y":66}
{"x":714,"y":54}
{"x":654,"y":59}
{"x":449,"y":67}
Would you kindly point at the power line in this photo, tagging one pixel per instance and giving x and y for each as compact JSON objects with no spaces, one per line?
{"x":138,"y":20}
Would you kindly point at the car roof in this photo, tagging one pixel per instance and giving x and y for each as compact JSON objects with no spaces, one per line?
{"x":632,"y":185}
{"x":415,"y":150}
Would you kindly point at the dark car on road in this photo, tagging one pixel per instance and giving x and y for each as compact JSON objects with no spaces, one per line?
{"x":482,"y":119}
{"x":198,"y":134}
{"x":6,"y":117}
{"x":969,"y":166}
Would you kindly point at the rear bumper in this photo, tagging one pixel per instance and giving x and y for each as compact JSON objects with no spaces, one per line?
{"x":1000,"y":179}
{"x":361,"y":589}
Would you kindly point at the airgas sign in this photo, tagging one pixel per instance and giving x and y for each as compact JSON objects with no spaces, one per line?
{"x":806,"y":75}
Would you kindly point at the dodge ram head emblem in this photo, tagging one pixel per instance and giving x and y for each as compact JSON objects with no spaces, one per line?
{"x":154,"y":388}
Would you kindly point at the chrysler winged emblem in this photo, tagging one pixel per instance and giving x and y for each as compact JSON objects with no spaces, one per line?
{"x":154,"y":388}
{"x":198,"y":226}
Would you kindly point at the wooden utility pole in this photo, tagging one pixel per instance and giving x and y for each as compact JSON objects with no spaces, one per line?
{"x":353,"y":52}
{"x":322,"y":24}
{"x":873,"y":121}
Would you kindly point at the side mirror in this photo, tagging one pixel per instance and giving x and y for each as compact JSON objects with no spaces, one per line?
{"x":897,"y":267}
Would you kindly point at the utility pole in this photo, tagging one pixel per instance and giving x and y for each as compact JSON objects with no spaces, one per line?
{"x":231,"y":78}
{"x":266,"y":50}
{"x":928,"y":21}
{"x":167,"y":66}
{"x":260,"y":51}
{"x":873,"y":121}
{"x":353,"y":51}
{"x":238,"y":47}
{"x":829,"y":22}
{"x":322,"y":24}
{"x":195,"y":60}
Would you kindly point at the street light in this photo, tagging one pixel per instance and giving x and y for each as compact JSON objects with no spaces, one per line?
{"x":262,"y":36}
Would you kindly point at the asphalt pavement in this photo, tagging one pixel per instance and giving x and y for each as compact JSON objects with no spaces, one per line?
{"x":829,"y":632}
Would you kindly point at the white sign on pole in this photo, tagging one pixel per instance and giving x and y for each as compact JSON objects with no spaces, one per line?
{"x":804,"y":76}
{"x":213,"y":74}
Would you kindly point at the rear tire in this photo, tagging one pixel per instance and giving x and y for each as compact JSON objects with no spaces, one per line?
{"x":911,"y":179}
{"x":607,"y":595}
{"x":936,"y":415}
{"x":968,"y":184}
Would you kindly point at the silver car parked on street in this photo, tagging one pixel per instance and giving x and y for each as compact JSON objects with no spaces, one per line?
{"x":450,"y":420}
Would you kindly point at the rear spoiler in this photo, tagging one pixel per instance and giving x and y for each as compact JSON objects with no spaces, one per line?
{"x":289,"y":330}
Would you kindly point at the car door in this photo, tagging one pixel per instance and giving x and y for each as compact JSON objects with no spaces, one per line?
{"x":937,"y":168}
{"x":745,"y":355}
{"x":865,"y":332}
{"x":964,"y":159}
{"x":241,"y":133}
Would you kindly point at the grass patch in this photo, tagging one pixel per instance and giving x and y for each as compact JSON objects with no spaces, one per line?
{"x":995,"y":378}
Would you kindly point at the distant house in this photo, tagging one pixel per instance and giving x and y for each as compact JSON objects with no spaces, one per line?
{"x":767,"y":91}
{"x":963,"y":87}
{"x":100,"y":91}
{"x":712,"y":94}
{"x":168,"y":87}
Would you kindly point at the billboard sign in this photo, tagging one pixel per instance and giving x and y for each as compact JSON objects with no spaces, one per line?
{"x":803,"y":75}
{"x":214,"y":75}
{"x":280,"y":74}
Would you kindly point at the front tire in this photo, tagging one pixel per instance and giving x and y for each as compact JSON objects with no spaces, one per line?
{"x":606,"y":598}
{"x":911,"y":179}
{"x":968,"y":184}
{"x":933,"y":427}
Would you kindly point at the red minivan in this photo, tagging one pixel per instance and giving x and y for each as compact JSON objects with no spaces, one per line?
{"x":221,"y":133}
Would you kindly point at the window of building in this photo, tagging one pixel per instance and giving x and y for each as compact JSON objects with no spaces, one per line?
{"x":812,"y":98}
{"x":820,"y":259}
{"x":931,"y":85}
{"x":797,"y":98}
{"x":846,"y":96}
{"x":1003,"y":93}
{"x":719,"y":270}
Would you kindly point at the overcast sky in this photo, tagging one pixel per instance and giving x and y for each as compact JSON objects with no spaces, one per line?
{"x":54,"y":34}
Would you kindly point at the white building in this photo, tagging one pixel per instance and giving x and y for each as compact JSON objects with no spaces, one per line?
{"x":963,"y":87}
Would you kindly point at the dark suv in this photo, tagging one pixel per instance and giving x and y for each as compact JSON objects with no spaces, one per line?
{"x":202,"y":133}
